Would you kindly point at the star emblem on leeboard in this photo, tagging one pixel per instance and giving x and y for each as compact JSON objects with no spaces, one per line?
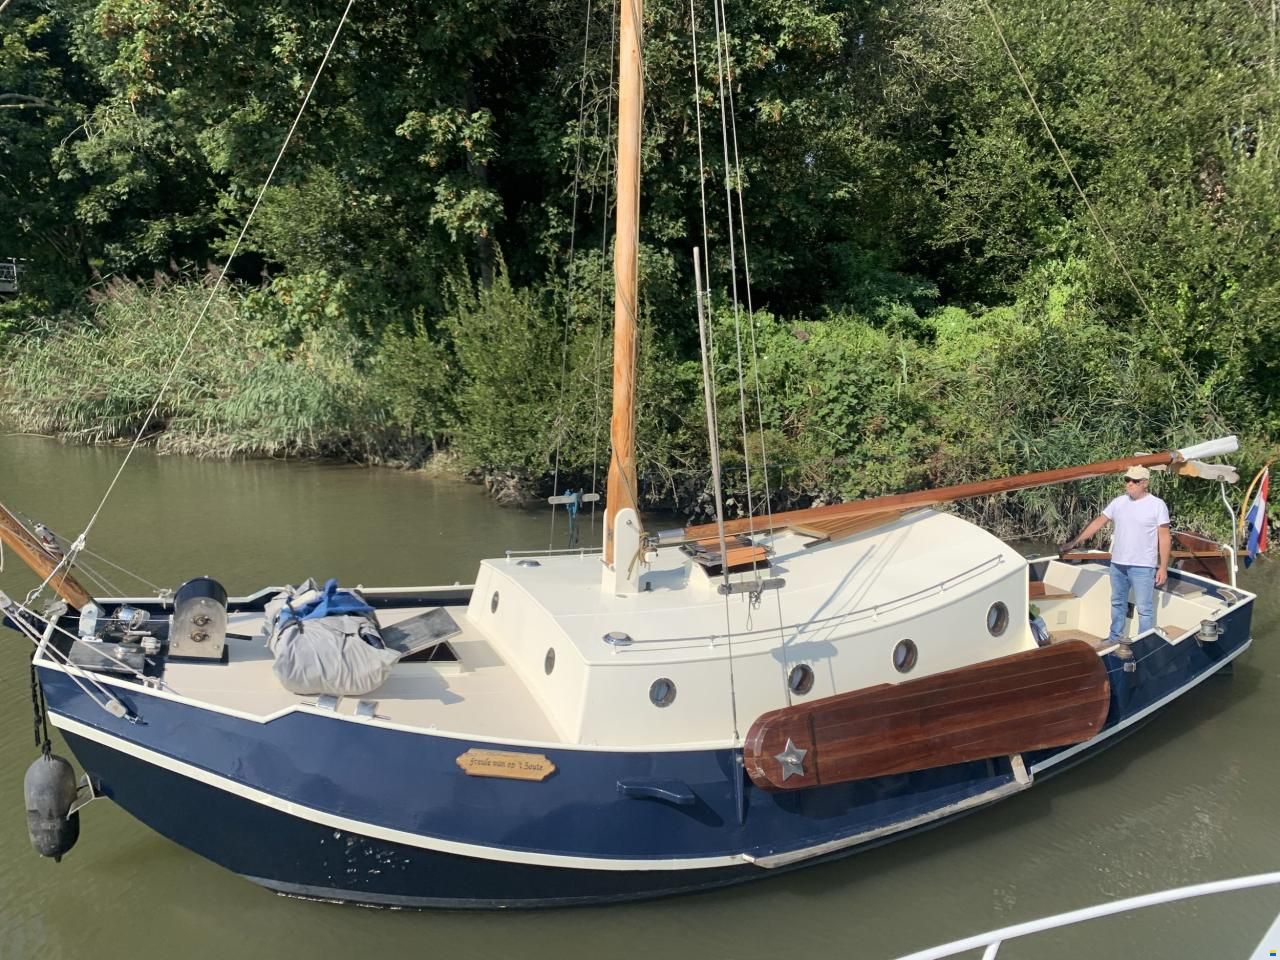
{"x":792,"y":760}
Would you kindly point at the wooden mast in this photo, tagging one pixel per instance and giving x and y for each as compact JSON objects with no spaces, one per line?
{"x":33,"y":553}
{"x":621,"y":490}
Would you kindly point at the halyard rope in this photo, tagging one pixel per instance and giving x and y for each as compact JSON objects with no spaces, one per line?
{"x":570,"y":298}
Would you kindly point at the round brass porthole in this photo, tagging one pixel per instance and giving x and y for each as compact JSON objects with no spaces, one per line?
{"x":493,"y":604}
{"x":997,"y":619}
{"x":662,"y":692}
{"x":549,"y":661}
{"x":905,"y":656}
{"x":800,"y":679}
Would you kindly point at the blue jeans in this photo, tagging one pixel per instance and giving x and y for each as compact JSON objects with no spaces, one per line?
{"x":1143,"y":581}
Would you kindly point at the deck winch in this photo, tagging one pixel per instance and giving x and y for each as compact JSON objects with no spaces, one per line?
{"x":199,"y":628}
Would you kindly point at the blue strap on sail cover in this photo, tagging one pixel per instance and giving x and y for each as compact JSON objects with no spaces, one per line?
{"x":331,"y":602}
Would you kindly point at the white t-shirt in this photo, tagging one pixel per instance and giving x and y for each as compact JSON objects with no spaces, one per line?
{"x":1136,"y":523}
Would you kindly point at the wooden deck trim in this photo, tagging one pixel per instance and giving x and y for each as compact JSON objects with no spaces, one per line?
{"x":741,"y":554}
{"x":837,"y":528}
{"x":1039,"y":590}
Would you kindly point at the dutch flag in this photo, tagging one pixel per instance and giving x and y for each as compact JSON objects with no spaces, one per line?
{"x":1255,"y":523}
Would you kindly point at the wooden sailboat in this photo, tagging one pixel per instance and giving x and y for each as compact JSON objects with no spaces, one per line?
{"x":594,"y":727}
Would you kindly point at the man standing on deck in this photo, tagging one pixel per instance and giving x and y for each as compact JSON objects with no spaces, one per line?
{"x":1139,"y":549}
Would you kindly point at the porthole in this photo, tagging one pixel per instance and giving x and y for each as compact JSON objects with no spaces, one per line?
{"x":997,"y":619}
{"x":800,"y":679}
{"x":662,"y":692}
{"x":493,"y":604}
{"x":549,"y":661}
{"x":905,"y":656}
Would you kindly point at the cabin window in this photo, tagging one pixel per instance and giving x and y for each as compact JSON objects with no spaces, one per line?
{"x":549,"y":661}
{"x":905,"y":656}
{"x":662,"y":692}
{"x":493,"y":604}
{"x":997,"y":619}
{"x":800,"y":679}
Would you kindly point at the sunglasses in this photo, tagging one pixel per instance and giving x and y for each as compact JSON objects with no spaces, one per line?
{"x":1131,"y":480}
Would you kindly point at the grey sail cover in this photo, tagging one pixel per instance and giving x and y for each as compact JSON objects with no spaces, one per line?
{"x":341,"y":654}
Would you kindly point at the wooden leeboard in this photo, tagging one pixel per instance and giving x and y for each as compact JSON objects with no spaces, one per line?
{"x":1048,"y":697}
{"x":506,"y":764}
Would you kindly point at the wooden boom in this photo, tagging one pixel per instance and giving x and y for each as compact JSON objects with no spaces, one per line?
{"x":927,"y":498}
{"x":32,"y":552}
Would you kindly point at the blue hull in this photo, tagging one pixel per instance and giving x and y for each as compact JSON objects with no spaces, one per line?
{"x":319,"y":806}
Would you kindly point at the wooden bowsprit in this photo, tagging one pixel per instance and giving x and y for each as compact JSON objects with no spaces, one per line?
{"x":41,"y":560}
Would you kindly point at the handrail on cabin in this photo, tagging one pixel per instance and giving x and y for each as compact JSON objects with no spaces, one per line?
{"x":861,"y":613}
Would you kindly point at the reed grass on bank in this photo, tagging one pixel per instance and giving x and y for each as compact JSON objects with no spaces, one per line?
{"x":236,"y":391}
{"x":850,"y":408}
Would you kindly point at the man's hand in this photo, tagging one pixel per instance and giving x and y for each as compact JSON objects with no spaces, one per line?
{"x":1161,"y":576}
{"x":1065,"y":548}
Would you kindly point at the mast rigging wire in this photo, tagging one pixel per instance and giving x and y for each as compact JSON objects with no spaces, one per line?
{"x":1093,"y":214}
{"x":64,"y":544}
{"x":722,"y":52}
{"x":705,"y":294}
{"x":755,"y":353}
{"x":610,"y":167}
{"x":733,"y":183}
{"x":568,"y":313}
{"x":731,"y":172}
{"x":79,"y":542}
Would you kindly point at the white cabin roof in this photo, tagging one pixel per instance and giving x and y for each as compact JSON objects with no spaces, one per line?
{"x":918,"y":563}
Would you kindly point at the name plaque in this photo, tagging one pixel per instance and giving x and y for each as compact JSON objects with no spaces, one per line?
{"x":506,"y":764}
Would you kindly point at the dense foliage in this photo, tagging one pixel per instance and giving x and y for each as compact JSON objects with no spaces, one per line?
{"x":931,"y":298}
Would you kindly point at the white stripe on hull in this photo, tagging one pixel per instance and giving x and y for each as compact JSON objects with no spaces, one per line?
{"x":346,"y":824}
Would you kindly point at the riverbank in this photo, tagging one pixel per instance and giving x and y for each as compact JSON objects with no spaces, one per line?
{"x":847,"y":407}
{"x":1014,"y":516}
